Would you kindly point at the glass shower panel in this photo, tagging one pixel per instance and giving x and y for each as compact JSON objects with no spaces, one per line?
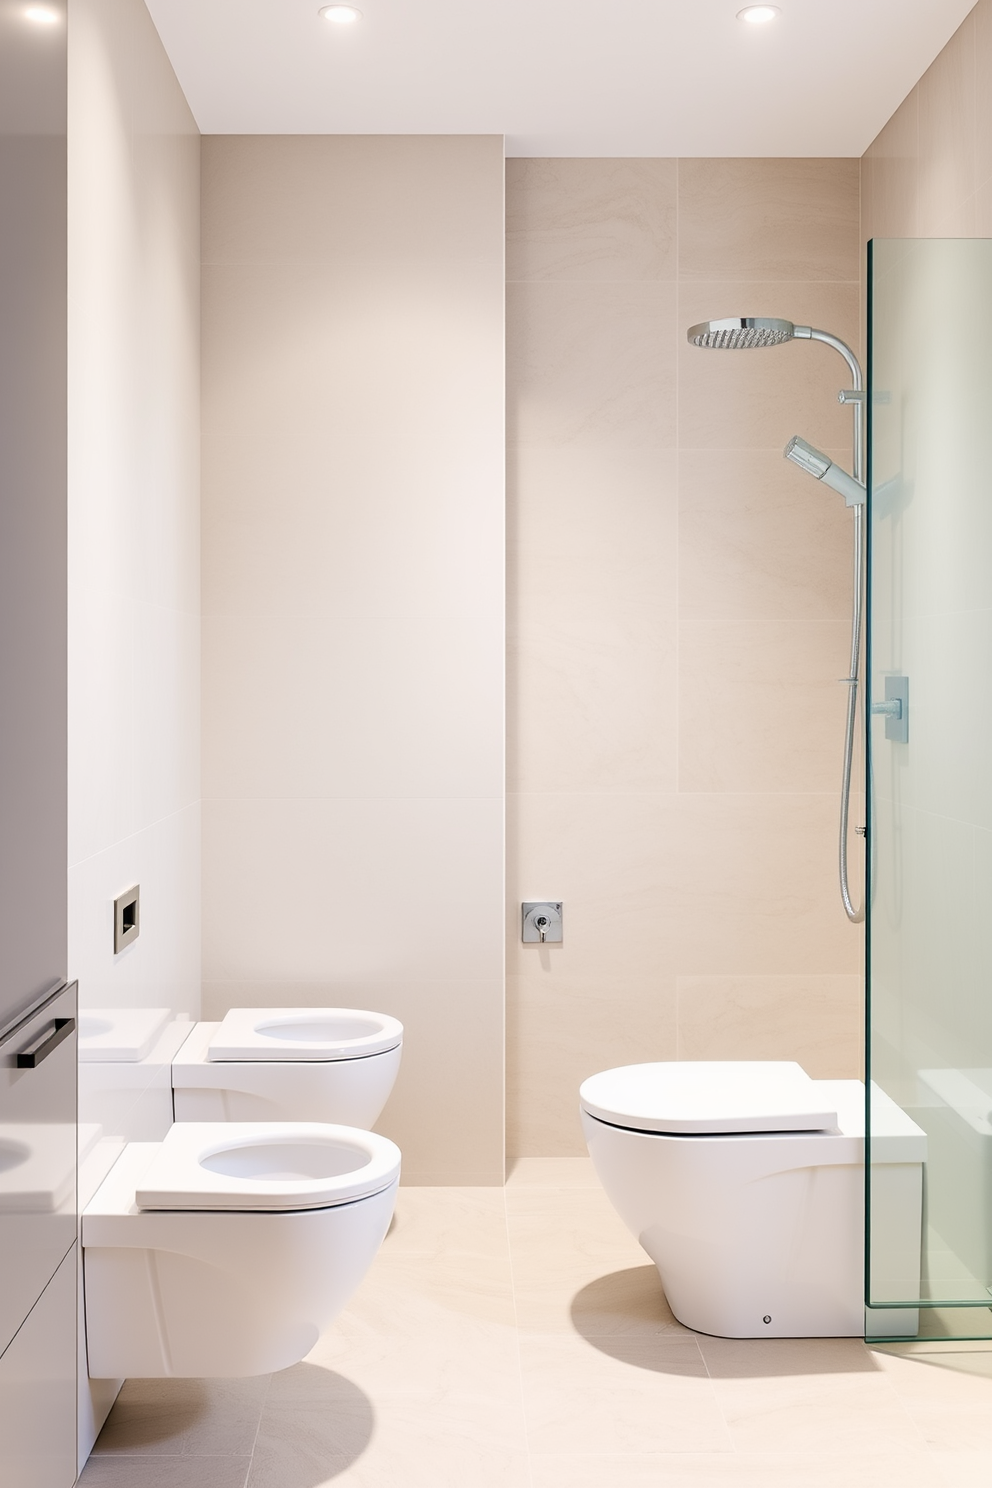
{"x":930,"y":773}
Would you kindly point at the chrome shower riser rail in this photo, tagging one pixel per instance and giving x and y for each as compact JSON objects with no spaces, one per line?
{"x":748,"y":333}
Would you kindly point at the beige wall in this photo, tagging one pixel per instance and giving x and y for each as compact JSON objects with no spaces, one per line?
{"x":134,"y":532}
{"x":134,"y":561}
{"x":929,"y":172}
{"x":353,"y":584}
{"x":679,"y":617}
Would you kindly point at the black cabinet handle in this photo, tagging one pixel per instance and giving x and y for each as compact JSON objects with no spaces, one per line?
{"x":45,"y":1042}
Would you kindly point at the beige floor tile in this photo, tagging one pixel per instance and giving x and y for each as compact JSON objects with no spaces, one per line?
{"x":457,"y":1285}
{"x":963,"y":1469}
{"x":419,"y":1344}
{"x":432,"y":1221}
{"x":948,"y":1395}
{"x":551,"y":1172}
{"x":180,"y":1417}
{"x":425,"y":1454}
{"x":807,"y":1395}
{"x":166,"y":1472}
{"x":657,"y":1398}
{"x":301,"y":1446}
{"x":567,"y":1225}
{"x":425,"y":1378}
{"x":733,"y":1470}
{"x":624,"y":1304}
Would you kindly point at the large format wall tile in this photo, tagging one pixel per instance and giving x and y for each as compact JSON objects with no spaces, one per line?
{"x":679,"y":603}
{"x":591,"y":364}
{"x":758,"y":540}
{"x":768,"y":219}
{"x":816,"y":1020}
{"x":761,"y":707}
{"x":562,"y":1028}
{"x":591,"y":619}
{"x":591,"y":219}
{"x":948,"y":136}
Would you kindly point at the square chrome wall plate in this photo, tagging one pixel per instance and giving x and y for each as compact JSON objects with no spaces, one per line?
{"x":541,"y":922}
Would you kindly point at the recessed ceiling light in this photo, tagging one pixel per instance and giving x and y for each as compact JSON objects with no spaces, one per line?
{"x":41,"y":15}
{"x":340,"y":15}
{"x":759,"y":15}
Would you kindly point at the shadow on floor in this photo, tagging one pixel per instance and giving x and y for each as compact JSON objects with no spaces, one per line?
{"x":299,"y":1428}
{"x":625,"y":1314}
{"x":314,"y":1425}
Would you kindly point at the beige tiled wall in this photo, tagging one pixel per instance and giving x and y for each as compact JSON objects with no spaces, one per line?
{"x":929,"y":172}
{"x":353,"y":598}
{"x":678,"y":616}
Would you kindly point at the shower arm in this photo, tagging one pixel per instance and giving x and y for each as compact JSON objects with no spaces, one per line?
{"x":808,"y":333}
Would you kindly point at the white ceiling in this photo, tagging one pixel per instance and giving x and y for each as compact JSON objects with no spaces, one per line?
{"x":560,"y":77}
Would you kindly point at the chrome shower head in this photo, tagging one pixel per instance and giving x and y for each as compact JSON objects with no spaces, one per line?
{"x":741,"y":333}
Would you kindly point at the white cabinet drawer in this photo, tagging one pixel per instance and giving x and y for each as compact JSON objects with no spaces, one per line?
{"x":38,"y":1390}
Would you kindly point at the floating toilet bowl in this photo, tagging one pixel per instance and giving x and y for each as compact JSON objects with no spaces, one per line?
{"x":225,"y":1250}
{"x":288,"y":1064}
{"x":744,"y":1182}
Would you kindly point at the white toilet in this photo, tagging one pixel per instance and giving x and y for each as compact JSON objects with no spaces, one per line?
{"x":288,"y":1064}
{"x":257,"y":1064}
{"x":225,"y":1250}
{"x":744,"y":1182}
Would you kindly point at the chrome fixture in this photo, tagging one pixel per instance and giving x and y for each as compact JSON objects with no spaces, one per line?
{"x":895,"y":709}
{"x":746,"y":333}
{"x":541,"y":922}
{"x":821,"y":467}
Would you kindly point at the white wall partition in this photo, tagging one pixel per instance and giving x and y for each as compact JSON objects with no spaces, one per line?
{"x":353,"y":606}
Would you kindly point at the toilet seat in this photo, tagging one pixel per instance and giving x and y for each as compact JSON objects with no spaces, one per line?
{"x":696,"y":1097}
{"x":261,"y":1166}
{"x":303,"y":1034}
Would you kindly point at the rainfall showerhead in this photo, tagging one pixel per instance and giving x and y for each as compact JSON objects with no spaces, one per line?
{"x":742,"y":333}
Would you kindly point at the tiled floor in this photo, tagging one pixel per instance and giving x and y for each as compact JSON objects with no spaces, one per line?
{"x":517,"y":1339}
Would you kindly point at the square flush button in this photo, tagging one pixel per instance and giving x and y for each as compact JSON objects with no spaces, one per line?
{"x":126,"y":918}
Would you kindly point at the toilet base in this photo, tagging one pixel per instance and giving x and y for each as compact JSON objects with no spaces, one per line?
{"x":762,"y":1236}
{"x":209,"y":1294}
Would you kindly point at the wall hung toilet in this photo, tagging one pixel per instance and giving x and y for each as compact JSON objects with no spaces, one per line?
{"x":744,"y":1182}
{"x":288,"y":1064}
{"x":225,"y":1250}
{"x":258,"y":1064}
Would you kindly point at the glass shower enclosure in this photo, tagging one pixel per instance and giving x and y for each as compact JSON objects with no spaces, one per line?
{"x":929,"y":688}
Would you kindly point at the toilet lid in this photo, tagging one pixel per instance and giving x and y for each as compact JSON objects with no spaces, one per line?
{"x":698,"y":1096}
{"x":315,"y":1034}
{"x":265,"y":1165}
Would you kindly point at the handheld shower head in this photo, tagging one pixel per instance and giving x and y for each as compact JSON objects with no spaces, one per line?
{"x":742,"y":333}
{"x":821,"y":467}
